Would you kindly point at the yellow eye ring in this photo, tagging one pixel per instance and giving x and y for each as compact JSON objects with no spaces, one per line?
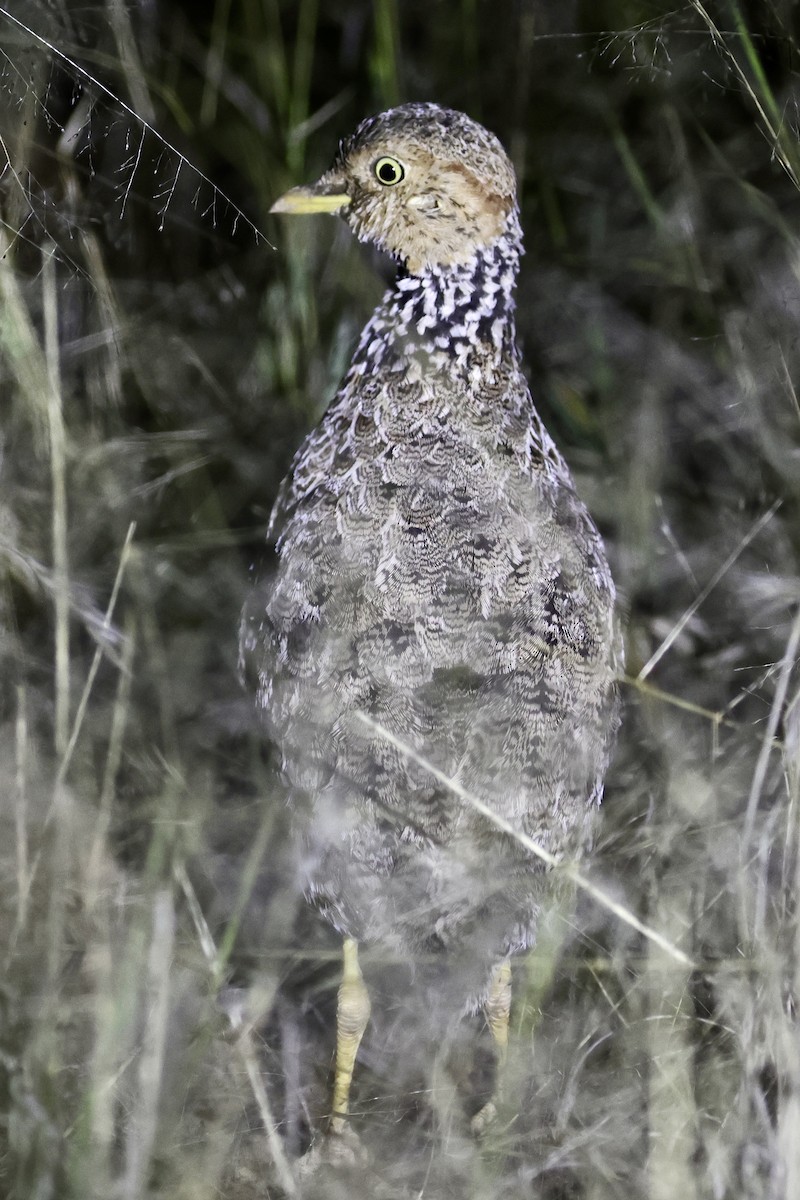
{"x":389,"y":171}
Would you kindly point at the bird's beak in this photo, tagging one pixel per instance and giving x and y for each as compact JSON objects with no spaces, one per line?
{"x":314,"y":199}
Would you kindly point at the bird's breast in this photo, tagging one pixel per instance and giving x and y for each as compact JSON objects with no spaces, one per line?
{"x":434,"y":583}
{"x":426,"y":559}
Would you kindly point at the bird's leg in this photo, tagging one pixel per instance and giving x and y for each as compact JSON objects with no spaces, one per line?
{"x":352,"y":1015}
{"x":498,"y":1010}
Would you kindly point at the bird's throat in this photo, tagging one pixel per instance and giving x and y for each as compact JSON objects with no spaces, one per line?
{"x":451,"y":318}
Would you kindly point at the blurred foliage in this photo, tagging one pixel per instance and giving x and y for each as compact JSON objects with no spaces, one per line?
{"x":164,"y":345}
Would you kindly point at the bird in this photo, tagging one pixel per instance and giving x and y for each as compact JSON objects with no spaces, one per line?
{"x":434,"y":649}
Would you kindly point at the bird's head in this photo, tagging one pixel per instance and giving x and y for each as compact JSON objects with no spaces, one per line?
{"x":426,"y":184}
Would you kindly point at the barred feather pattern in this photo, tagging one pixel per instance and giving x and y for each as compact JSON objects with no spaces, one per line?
{"x":436,"y":571}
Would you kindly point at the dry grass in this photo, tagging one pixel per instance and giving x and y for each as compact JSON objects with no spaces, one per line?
{"x":166,"y":1000}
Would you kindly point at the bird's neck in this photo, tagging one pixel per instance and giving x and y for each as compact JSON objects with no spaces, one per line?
{"x":458,"y":319}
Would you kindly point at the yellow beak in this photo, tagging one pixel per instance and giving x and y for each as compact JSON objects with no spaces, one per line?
{"x":309,"y":200}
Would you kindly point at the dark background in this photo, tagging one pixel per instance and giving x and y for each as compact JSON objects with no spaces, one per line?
{"x":164,"y":346}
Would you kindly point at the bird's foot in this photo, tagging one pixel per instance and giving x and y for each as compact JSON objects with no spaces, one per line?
{"x":339,"y":1147}
{"x":483,"y":1119}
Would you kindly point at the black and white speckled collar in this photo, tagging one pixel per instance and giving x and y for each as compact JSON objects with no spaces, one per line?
{"x":447,"y":318}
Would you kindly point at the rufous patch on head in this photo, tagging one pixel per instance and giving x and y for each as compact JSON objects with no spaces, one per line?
{"x":501,"y":204}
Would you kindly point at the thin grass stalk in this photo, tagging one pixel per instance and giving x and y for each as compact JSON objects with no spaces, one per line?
{"x":789,"y":1116}
{"x":784,"y":148}
{"x":700,"y":599}
{"x":787,"y":665}
{"x":244,"y":1041}
{"x":94,"y":666}
{"x":262,"y":20}
{"x":143,"y":1122}
{"x":120,"y":717}
{"x":302,"y":63}
{"x":215,"y":60}
{"x":253,"y":866}
{"x":58,"y":475}
{"x":22,"y":348}
{"x":385,"y":57}
{"x":21,"y":812}
{"x":130,"y":60}
{"x":672,"y":1108}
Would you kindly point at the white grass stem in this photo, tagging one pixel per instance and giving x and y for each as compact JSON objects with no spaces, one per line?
{"x":21,"y":810}
{"x":672,"y":1126}
{"x":58,"y":476}
{"x":681,"y":624}
{"x":567,"y":869}
{"x":776,"y":711}
{"x":773,"y":129}
{"x":244,"y":1040}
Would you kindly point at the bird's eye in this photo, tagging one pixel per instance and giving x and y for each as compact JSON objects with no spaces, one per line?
{"x":389,"y":171}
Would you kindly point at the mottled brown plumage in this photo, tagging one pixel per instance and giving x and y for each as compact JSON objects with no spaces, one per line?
{"x":436,"y":571}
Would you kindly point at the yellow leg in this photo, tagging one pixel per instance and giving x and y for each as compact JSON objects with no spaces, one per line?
{"x":352,"y":1015}
{"x":498,"y":1011}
